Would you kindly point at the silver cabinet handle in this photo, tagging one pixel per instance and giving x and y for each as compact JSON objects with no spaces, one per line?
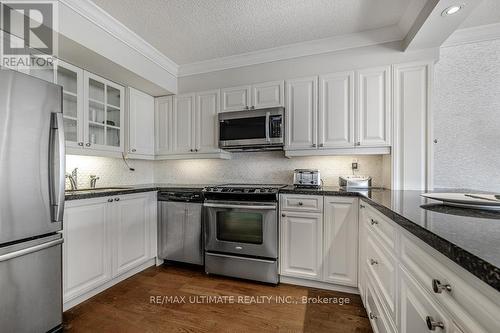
{"x":438,"y":288}
{"x":110,"y":200}
{"x":87,"y":144}
{"x":432,"y":324}
{"x":373,"y":316}
{"x":373,"y":262}
{"x":80,"y":144}
{"x":117,"y":199}
{"x":29,"y":250}
{"x":373,"y":222}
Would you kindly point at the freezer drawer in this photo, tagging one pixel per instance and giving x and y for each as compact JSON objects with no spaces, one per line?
{"x":180,"y":232}
{"x":30,"y":281}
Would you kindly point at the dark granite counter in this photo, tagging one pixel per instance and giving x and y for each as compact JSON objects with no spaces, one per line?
{"x":122,"y":190}
{"x":469,"y":237}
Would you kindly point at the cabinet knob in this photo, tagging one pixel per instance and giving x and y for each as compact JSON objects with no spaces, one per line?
{"x":87,"y":144}
{"x":438,"y":288}
{"x":253,"y":107}
{"x":321,"y":145}
{"x":373,"y":316}
{"x":80,"y":144}
{"x":432,"y":324}
{"x":191,"y":150}
{"x":133,"y":150}
{"x":301,"y":203}
{"x":373,"y":222}
{"x":361,"y":206}
{"x":246,"y":107}
{"x":358,"y":143}
{"x":117,"y":199}
{"x":283,"y":215}
{"x":314,"y":145}
{"x":196,"y":150}
{"x":373,"y":262}
{"x":110,"y":200}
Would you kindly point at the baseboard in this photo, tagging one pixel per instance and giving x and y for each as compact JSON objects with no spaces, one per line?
{"x":318,"y":284}
{"x":79,"y":299}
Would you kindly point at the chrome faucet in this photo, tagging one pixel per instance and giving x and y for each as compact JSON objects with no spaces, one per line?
{"x":73,"y":179}
{"x":93,"y":180}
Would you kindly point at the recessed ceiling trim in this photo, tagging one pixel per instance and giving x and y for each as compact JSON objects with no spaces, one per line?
{"x":99,"y":17}
{"x":348,"y":41}
{"x":472,"y":35}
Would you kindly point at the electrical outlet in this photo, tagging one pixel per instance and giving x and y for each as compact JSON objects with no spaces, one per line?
{"x":354,"y":165}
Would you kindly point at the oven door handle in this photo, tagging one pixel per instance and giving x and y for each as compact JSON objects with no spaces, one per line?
{"x":214,"y":205}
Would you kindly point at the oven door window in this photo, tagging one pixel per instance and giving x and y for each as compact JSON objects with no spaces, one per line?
{"x":239,"y":227}
{"x":243,"y":129}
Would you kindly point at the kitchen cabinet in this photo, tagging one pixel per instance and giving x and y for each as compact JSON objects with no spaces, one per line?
{"x":340,"y":220}
{"x":71,"y":79}
{"x":336,"y":110}
{"x":374,"y":106}
{"x":251,"y":97}
{"x":141,"y":135}
{"x":106,"y":240}
{"x":301,"y":245}
{"x":187,"y":126}
{"x":104,"y":114}
{"x":301,"y":113}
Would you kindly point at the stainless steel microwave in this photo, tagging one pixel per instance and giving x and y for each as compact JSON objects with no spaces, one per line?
{"x":252,"y":130}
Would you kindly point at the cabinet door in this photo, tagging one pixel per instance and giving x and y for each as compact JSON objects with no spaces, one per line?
{"x":301,"y":116}
{"x":336,"y":110}
{"x":130,"y":233}
{"x":207,"y":104}
{"x":71,"y":79}
{"x":268,"y":94}
{"x":183,"y":126}
{"x":235,"y":98}
{"x":417,"y":307}
{"x":141,"y":123}
{"x":104,"y":114}
{"x":341,"y":240}
{"x":301,"y":245}
{"x":86,"y":247}
{"x":164,"y":110}
{"x":374,"y":106}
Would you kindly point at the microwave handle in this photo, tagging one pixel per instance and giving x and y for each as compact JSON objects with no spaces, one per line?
{"x":268,"y":124}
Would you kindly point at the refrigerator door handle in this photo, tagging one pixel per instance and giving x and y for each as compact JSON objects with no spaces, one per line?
{"x":57,"y":181}
{"x":29,"y":250}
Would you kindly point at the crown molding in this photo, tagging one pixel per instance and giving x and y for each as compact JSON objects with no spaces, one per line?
{"x":348,"y":41}
{"x":473,"y":35}
{"x":99,"y":17}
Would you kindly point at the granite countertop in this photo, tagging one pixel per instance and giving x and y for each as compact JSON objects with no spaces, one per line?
{"x":469,"y":237}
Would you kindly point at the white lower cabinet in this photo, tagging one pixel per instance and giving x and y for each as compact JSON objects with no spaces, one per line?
{"x":104,"y":240}
{"x":319,"y":238}
{"x":301,"y":252}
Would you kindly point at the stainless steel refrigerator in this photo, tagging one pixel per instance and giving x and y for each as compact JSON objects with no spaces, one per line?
{"x":31,"y":203}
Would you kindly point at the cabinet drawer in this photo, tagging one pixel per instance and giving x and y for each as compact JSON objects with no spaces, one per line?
{"x":468,"y":306}
{"x":381,"y":268}
{"x":378,"y":319}
{"x":380,"y":225}
{"x":309,"y":203}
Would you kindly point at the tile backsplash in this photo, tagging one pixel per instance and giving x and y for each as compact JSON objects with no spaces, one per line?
{"x":261,"y":167}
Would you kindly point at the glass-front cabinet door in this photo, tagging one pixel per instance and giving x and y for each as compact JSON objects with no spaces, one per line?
{"x":71,"y":79}
{"x":104,"y":114}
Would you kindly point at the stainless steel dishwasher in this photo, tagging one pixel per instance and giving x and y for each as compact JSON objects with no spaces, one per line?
{"x":180,"y":226}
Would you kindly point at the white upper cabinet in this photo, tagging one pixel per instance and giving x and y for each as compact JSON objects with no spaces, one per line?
{"x":206,"y":133}
{"x":236,"y":98}
{"x":268,"y":94}
{"x":164,"y":108}
{"x":141,"y":124}
{"x":104,"y":114}
{"x":301,"y":113}
{"x":183,"y":124}
{"x":341,"y":240}
{"x":251,"y":97}
{"x":71,"y":79}
{"x":336,"y":110}
{"x":374,"y":106}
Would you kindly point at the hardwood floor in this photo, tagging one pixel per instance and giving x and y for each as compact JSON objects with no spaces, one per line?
{"x":129,"y":306}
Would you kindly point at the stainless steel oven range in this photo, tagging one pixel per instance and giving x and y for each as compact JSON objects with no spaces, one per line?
{"x":241,"y":231}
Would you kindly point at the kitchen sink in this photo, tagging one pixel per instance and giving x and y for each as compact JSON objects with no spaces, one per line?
{"x":98,"y":189}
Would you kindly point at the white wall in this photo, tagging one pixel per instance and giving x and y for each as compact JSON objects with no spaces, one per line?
{"x":466,"y":114}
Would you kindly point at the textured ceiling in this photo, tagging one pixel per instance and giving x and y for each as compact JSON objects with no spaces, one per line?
{"x":194,"y":30}
{"x":487,"y":12}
